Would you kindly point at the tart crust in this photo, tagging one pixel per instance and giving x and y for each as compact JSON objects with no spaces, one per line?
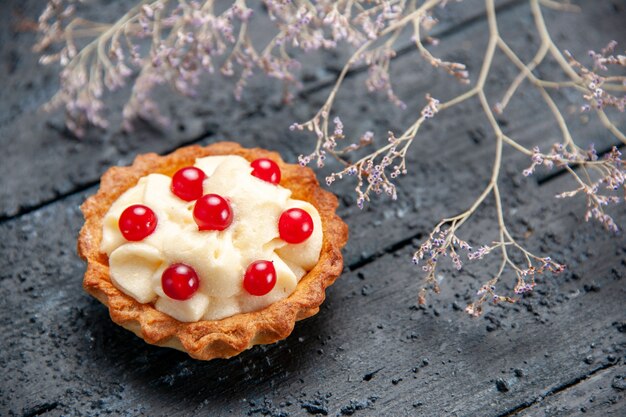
{"x":209,"y":339}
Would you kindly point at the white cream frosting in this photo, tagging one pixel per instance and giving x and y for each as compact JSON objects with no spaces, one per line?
{"x":219,"y":258}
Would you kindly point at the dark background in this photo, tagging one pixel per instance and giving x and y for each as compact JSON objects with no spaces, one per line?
{"x":370,"y":351}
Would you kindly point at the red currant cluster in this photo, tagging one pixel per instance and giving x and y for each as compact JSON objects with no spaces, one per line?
{"x":213,"y":212}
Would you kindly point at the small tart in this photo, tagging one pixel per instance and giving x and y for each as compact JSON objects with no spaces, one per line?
{"x":209,"y":339}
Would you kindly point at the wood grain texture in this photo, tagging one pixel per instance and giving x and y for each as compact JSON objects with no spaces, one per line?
{"x":602,"y":393}
{"x":370,"y":351}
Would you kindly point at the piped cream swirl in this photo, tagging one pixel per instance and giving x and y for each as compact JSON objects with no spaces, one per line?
{"x":220,"y":258}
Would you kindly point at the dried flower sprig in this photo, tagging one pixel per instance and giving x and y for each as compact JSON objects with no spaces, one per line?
{"x":609,"y":172}
{"x":379,"y":168}
{"x":599,"y":87}
{"x":443,"y":241}
{"x":174,"y":42}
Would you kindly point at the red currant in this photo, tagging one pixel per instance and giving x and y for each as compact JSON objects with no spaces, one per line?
{"x":266,"y":169}
{"x":187,"y":183}
{"x":212,"y":212}
{"x":295,"y":225}
{"x":260,"y":277}
{"x":180,"y":282}
{"x":137,"y":222}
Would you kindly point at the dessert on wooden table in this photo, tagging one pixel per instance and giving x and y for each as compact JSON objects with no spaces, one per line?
{"x":211,"y":250}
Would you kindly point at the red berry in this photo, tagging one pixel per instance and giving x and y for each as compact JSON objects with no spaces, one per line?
{"x":266,"y":169}
{"x":260,"y":277}
{"x":187,"y":183}
{"x":180,"y":282}
{"x":137,"y":222}
{"x":295,"y":225}
{"x":212,"y":212}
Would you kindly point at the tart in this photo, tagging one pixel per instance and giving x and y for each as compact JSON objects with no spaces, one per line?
{"x":223,"y":317}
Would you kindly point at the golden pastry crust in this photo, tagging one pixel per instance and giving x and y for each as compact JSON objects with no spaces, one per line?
{"x":209,"y":339}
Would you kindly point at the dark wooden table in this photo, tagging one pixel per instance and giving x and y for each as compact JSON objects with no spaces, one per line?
{"x":370,"y":351}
